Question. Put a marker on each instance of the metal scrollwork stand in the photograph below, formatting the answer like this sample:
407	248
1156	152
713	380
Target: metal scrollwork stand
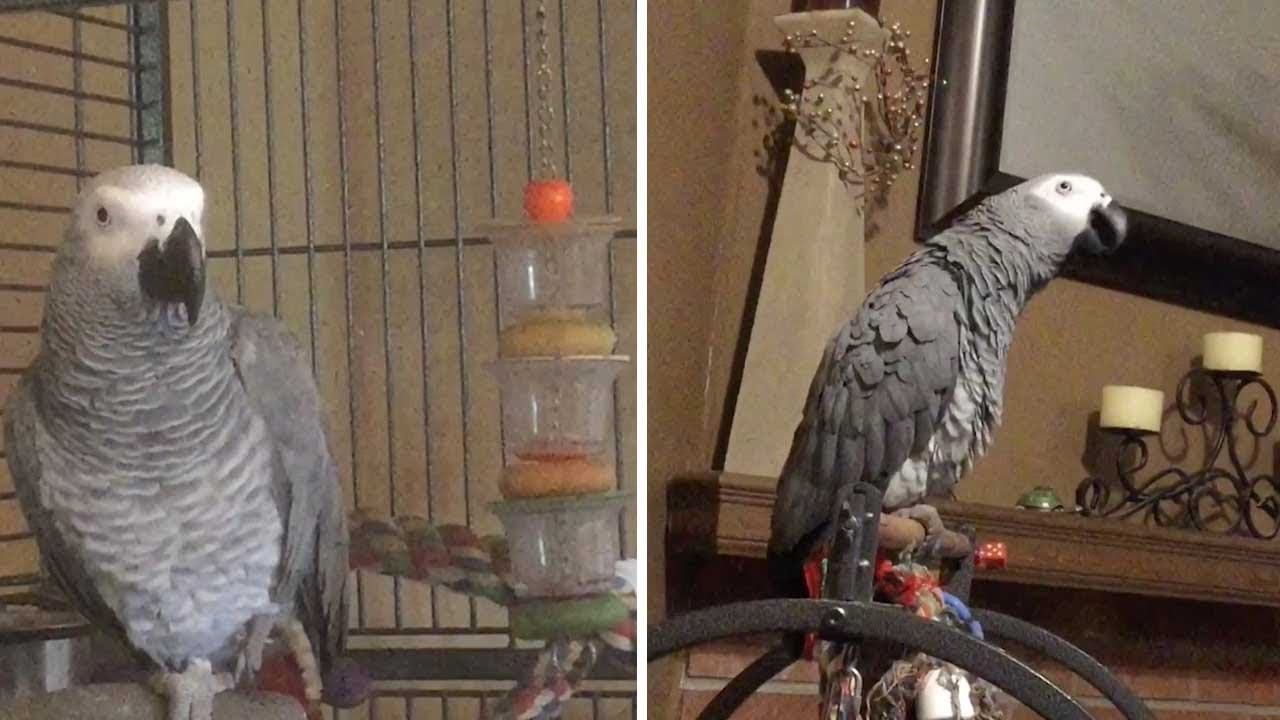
1221	499
847	615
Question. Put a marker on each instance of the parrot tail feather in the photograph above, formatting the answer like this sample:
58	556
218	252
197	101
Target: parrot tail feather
786	575
787	566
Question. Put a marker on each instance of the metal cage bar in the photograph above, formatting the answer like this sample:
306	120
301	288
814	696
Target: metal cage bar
459	263
73	53
420	241
233	102
59	6
92	20
77	73
150	47
78	133
485	698
20	84
384	250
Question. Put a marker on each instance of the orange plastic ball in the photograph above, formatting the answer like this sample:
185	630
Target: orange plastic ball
548	200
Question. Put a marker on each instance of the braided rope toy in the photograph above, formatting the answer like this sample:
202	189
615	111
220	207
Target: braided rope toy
454	557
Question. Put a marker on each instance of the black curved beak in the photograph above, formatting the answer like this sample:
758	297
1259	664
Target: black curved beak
175	274
1106	232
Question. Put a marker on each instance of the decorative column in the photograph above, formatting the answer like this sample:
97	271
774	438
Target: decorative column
814	272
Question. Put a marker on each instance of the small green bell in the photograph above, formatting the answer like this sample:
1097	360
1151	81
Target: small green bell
1041	498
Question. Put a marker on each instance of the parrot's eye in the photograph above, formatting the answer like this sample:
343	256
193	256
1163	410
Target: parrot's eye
160	220
103	216
1064	187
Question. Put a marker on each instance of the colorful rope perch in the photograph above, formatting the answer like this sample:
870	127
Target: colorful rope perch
452	556
446	555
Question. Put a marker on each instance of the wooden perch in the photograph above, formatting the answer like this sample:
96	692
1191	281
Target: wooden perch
138	702
899	533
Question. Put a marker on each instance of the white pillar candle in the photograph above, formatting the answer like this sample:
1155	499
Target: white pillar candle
1233	351
1132	408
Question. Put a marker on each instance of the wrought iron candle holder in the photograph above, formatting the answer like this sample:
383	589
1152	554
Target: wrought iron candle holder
1219	496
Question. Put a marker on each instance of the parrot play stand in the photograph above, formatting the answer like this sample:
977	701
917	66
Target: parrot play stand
848	616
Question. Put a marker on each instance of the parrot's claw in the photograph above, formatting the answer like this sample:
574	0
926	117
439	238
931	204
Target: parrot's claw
249	662
191	692
928	516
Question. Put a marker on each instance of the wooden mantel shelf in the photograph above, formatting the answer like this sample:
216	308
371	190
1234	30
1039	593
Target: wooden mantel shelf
728	515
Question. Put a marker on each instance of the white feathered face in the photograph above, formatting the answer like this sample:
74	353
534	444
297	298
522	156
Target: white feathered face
1078	209
145	220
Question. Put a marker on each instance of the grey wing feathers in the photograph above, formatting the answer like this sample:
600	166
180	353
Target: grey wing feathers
877	395
22	428
277	376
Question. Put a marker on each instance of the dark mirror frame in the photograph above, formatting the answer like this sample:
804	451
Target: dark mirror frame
1162	259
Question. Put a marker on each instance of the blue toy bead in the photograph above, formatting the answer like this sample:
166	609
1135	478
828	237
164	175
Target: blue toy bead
957	607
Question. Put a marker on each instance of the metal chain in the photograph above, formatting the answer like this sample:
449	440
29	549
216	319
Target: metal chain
545	112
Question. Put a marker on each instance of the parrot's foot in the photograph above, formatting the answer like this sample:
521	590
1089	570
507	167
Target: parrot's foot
299	643
934	529
250	659
191	691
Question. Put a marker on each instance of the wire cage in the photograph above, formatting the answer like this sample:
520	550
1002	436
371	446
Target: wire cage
349	151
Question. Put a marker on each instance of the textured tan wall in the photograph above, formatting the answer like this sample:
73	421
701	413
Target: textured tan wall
696	55
697	52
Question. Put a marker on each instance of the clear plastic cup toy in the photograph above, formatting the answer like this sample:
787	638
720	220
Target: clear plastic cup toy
563	547
553	409
553	286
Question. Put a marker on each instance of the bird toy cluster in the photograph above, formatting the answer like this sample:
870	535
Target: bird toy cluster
924	688
558	574
935	690
932	688
577	630
833	110
916	588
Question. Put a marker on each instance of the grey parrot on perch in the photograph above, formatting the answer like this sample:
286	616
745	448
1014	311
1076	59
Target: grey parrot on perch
909	392
170	455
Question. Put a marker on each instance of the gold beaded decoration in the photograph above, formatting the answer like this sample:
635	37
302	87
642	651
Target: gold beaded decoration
827	112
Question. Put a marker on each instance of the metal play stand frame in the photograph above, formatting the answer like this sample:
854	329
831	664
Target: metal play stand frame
851	616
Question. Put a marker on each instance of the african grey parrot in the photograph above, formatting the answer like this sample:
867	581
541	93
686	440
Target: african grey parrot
170	455
909	392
